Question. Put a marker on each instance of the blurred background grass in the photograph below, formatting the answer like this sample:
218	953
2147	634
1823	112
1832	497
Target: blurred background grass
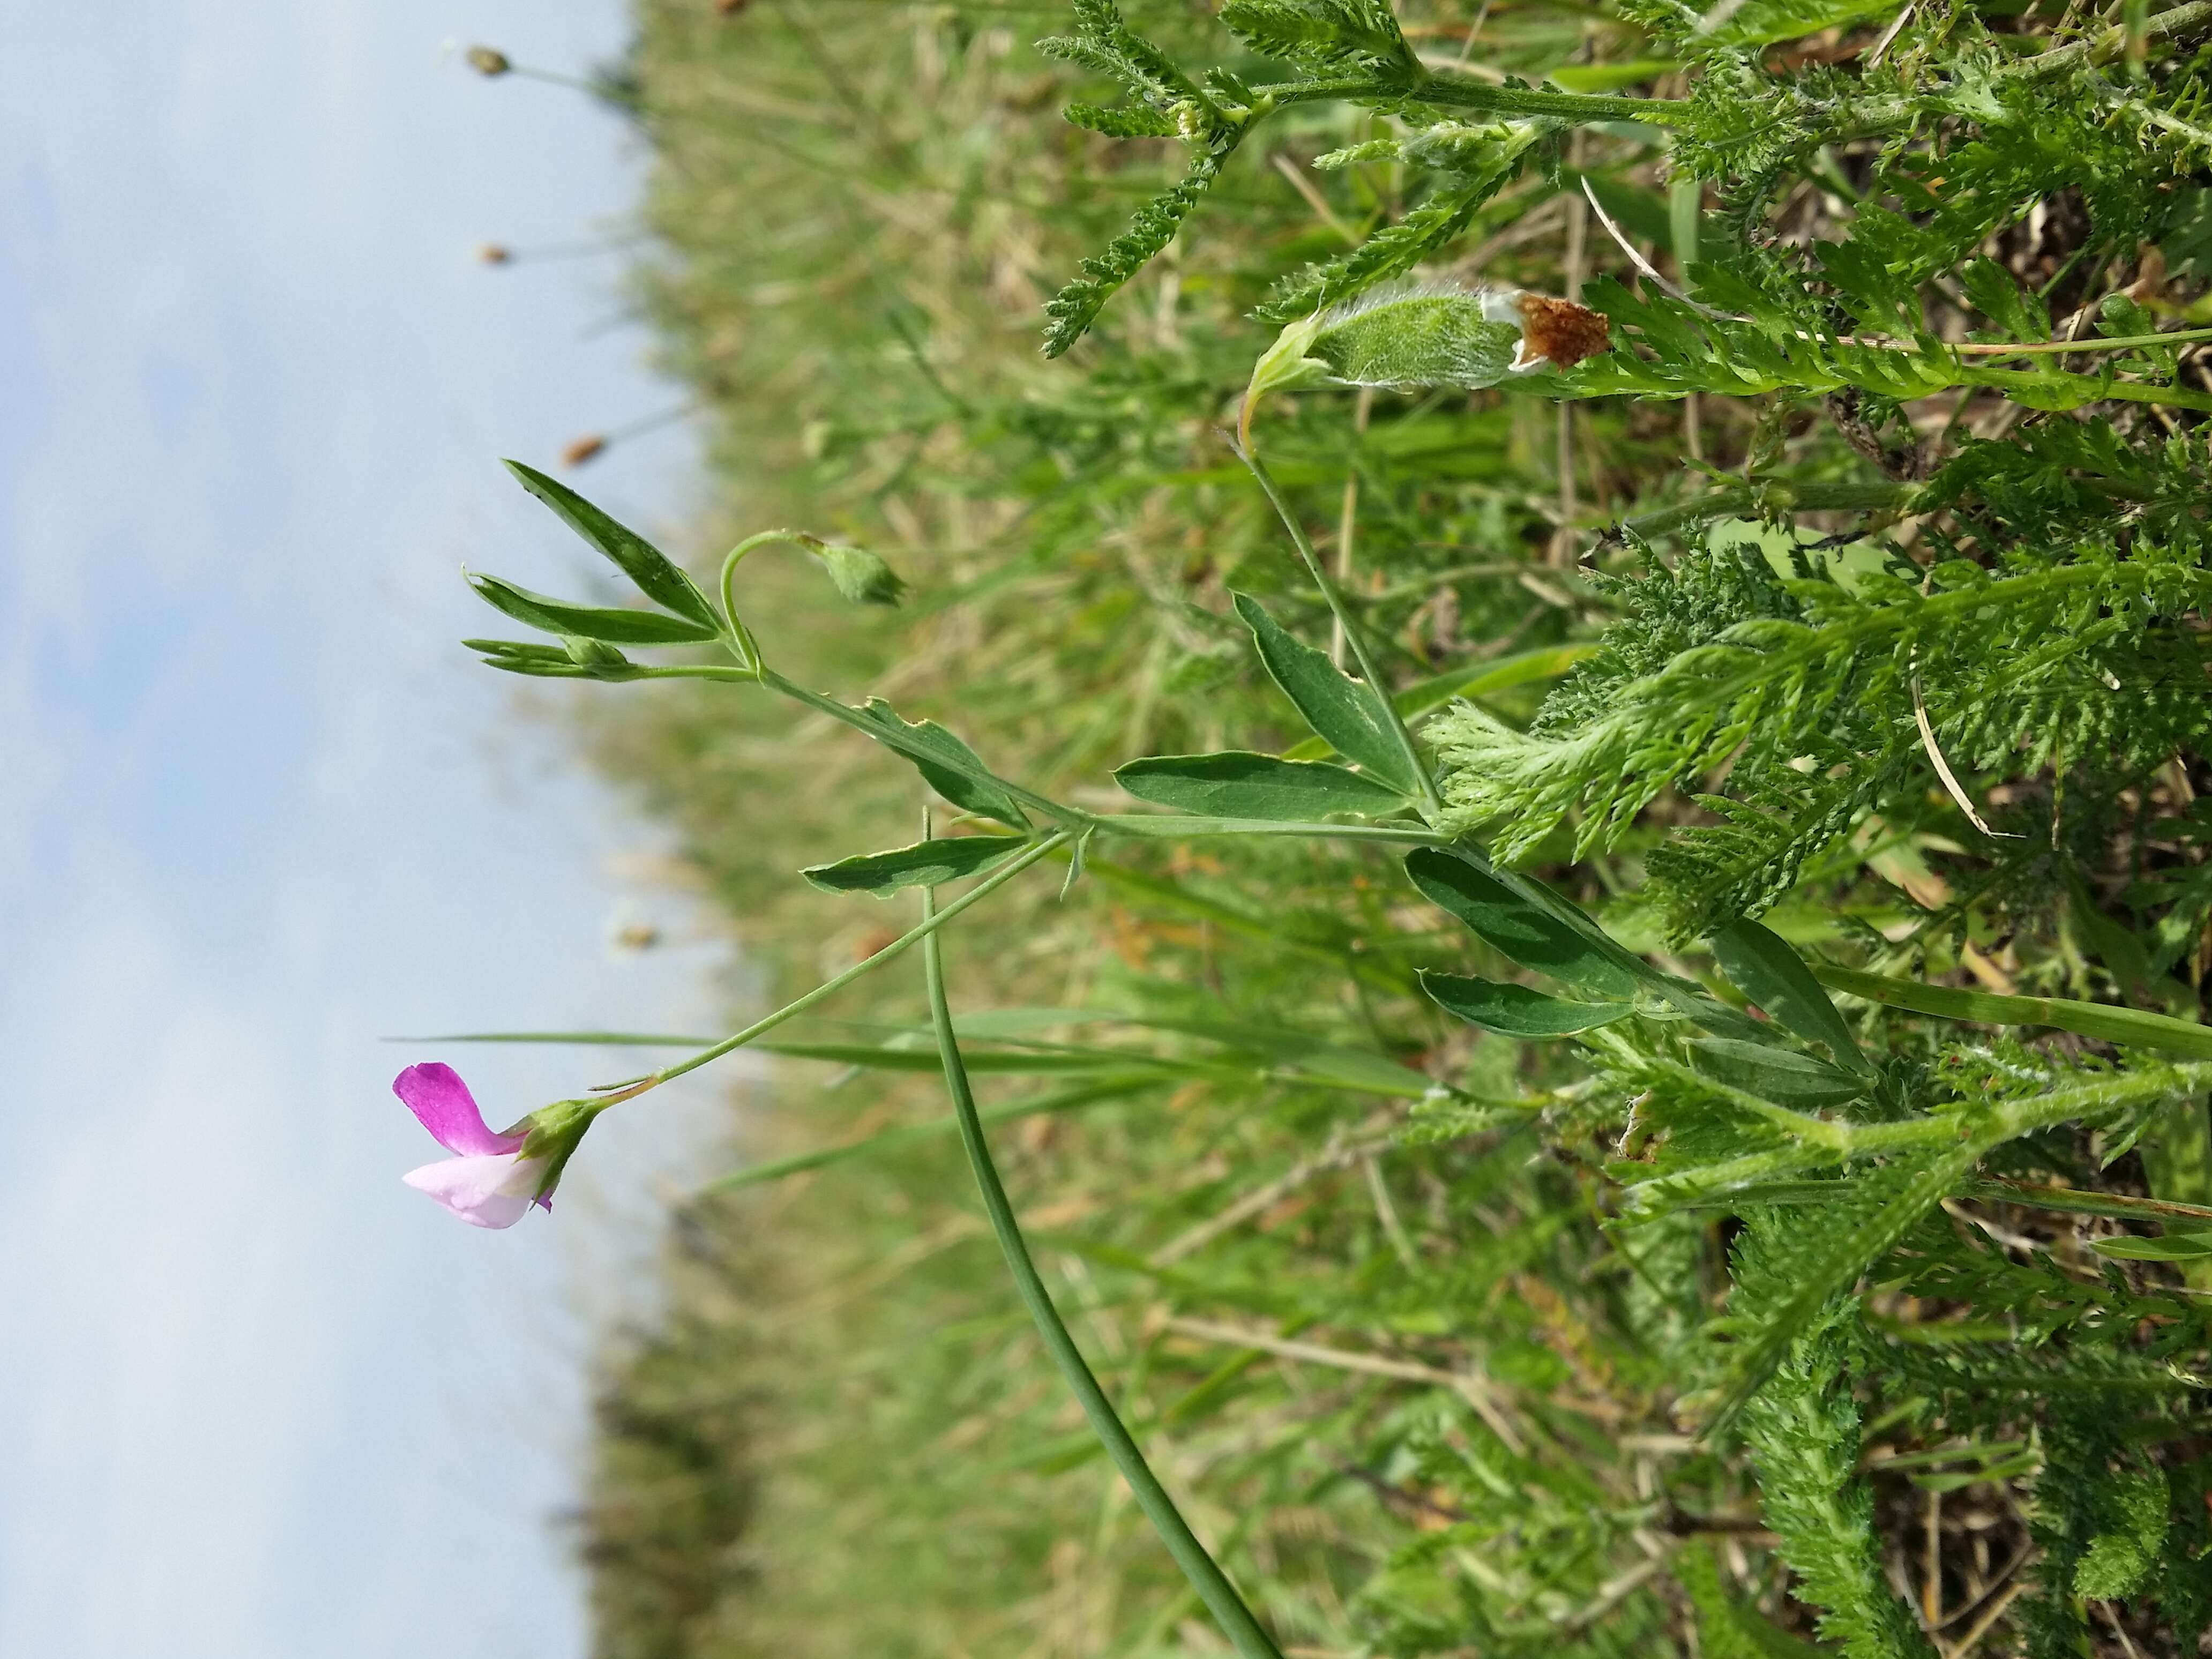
845	1439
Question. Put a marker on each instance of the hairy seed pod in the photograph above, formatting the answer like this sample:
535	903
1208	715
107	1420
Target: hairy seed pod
1430	335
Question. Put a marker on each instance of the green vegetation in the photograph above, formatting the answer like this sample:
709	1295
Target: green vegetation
1446	1150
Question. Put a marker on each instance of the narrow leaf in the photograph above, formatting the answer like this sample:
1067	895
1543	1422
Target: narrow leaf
1763	966
1348	713
1472	680
1515	1010
2128	1026
658	576
924	864
2175	1247
1239	784
1782	1075
953	769
1508	913
616	626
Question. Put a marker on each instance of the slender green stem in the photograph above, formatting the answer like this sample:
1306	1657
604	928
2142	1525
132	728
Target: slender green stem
740	638
897	947
1074	815
1780	494
1432	802
1205	1576
2069	348
1146	826
2130	1027
1451	91
1065	1100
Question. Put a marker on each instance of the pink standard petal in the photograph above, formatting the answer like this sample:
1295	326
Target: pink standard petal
493	1190
442	1103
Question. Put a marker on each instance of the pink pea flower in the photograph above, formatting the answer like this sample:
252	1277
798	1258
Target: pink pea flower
486	1182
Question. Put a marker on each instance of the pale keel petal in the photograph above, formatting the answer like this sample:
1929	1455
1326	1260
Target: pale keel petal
490	1190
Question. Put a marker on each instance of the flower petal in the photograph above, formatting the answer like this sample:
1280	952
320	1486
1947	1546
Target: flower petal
494	1190
441	1102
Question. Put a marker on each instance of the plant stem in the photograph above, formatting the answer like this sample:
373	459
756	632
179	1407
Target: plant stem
1451	91
898	946
1206	1576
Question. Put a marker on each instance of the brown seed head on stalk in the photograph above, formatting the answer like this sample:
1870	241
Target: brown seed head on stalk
583	449
1561	330
496	253
486	60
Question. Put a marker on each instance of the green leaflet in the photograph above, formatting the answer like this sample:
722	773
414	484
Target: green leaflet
1473	680
953	769
657	576
1349	713
1776	1074
924	864
1507	916
2174	1247
589	622
1763	966
2128	1026
1239	784
1515	1010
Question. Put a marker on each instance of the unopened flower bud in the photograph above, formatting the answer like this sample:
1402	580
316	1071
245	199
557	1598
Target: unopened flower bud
861	577
486	61
598	658
583	449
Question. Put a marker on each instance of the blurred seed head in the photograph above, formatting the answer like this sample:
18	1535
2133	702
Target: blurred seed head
496	253
486	61
583	449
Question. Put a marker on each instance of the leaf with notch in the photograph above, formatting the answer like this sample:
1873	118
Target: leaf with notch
1761	964
616	626
658	576
1515	1010
1527	923
1349	713
1239	784
924	864
953	769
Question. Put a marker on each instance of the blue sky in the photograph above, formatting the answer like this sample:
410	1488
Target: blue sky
259	811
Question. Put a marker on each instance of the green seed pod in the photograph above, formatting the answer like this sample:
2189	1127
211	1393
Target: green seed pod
1429	335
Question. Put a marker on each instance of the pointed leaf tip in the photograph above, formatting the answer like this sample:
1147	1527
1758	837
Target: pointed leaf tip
655	575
